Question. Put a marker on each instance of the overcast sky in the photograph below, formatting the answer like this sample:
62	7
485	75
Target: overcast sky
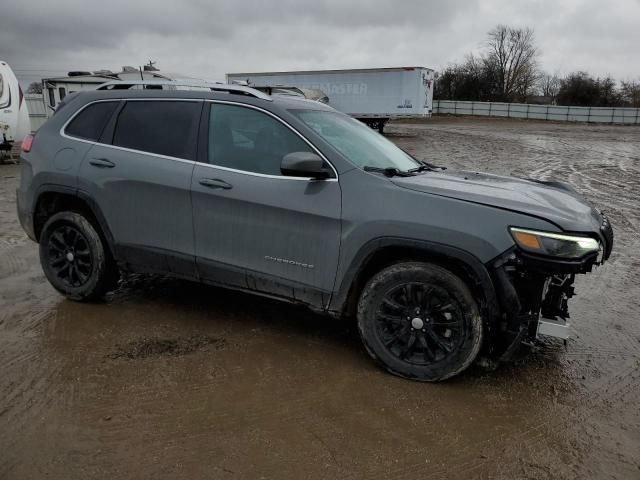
207	38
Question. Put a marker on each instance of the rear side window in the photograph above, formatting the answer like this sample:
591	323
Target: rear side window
90	122
161	127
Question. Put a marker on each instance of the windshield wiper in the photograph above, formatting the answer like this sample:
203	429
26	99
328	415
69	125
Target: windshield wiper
389	171
426	167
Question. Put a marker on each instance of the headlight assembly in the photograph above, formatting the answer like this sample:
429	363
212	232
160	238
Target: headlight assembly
554	244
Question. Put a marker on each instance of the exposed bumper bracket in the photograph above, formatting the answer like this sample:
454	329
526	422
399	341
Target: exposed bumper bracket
558	328
515	344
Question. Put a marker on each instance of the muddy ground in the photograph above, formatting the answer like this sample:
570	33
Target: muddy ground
172	379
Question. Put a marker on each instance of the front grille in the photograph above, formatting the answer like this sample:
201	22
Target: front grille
607	233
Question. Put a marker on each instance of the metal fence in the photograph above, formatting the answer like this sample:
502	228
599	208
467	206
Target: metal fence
539	112
37	110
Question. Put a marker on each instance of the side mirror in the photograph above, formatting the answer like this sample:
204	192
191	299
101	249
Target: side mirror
303	164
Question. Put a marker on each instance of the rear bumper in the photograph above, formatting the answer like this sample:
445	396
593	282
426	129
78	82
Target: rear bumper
24	215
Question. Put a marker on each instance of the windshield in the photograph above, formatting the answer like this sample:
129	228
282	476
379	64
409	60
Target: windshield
357	142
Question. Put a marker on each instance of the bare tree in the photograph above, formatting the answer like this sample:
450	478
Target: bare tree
34	87
549	85
581	89
507	71
512	55
470	80
630	92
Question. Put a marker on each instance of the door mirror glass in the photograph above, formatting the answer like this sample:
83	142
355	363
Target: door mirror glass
303	164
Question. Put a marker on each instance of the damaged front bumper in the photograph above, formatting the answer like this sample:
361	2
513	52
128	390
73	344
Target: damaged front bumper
533	293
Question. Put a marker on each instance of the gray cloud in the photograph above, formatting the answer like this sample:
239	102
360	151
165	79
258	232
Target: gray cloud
208	38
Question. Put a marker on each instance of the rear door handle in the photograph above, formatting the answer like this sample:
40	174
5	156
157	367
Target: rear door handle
102	163
215	183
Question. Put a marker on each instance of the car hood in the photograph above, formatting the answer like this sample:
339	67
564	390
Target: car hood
556	202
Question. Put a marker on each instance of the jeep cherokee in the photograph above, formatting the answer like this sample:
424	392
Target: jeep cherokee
288	198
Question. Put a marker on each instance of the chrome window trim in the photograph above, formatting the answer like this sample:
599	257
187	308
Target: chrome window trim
264	175
125	149
194	162
63	129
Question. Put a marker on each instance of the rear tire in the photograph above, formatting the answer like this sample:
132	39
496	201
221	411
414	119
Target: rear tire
420	321
75	259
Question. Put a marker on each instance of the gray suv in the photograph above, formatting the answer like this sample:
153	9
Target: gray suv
288	198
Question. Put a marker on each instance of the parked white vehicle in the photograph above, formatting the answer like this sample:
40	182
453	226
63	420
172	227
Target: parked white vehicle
14	115
372	95
55	89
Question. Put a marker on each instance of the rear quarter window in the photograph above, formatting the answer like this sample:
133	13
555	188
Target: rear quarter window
162	127
90	122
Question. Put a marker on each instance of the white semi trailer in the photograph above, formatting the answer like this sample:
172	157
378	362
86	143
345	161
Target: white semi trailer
372	95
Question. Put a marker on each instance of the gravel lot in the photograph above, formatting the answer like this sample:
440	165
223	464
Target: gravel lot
173	379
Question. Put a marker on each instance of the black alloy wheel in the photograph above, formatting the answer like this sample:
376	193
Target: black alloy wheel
420	321
69	255
75	258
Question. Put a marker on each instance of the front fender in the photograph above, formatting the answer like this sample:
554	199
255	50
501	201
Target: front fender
438	252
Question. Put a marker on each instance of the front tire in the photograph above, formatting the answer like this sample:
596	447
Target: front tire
420	321
75	259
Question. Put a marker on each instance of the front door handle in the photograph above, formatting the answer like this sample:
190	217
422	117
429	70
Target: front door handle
215	183
102	163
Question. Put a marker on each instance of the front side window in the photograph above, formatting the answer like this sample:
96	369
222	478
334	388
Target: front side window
90	122
161	127
357	142
247	139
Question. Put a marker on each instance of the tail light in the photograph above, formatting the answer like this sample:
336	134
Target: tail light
27	143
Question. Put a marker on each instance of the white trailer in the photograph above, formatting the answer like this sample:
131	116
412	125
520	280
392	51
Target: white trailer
373	95
14	116
55	89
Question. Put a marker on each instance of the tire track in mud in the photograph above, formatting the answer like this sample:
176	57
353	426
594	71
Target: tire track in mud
26	307
472	463
11	241
11	264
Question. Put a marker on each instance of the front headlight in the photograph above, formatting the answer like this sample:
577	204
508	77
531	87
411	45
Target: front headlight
554	244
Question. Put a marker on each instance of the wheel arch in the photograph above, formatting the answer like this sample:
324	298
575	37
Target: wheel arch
52	199
383	252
